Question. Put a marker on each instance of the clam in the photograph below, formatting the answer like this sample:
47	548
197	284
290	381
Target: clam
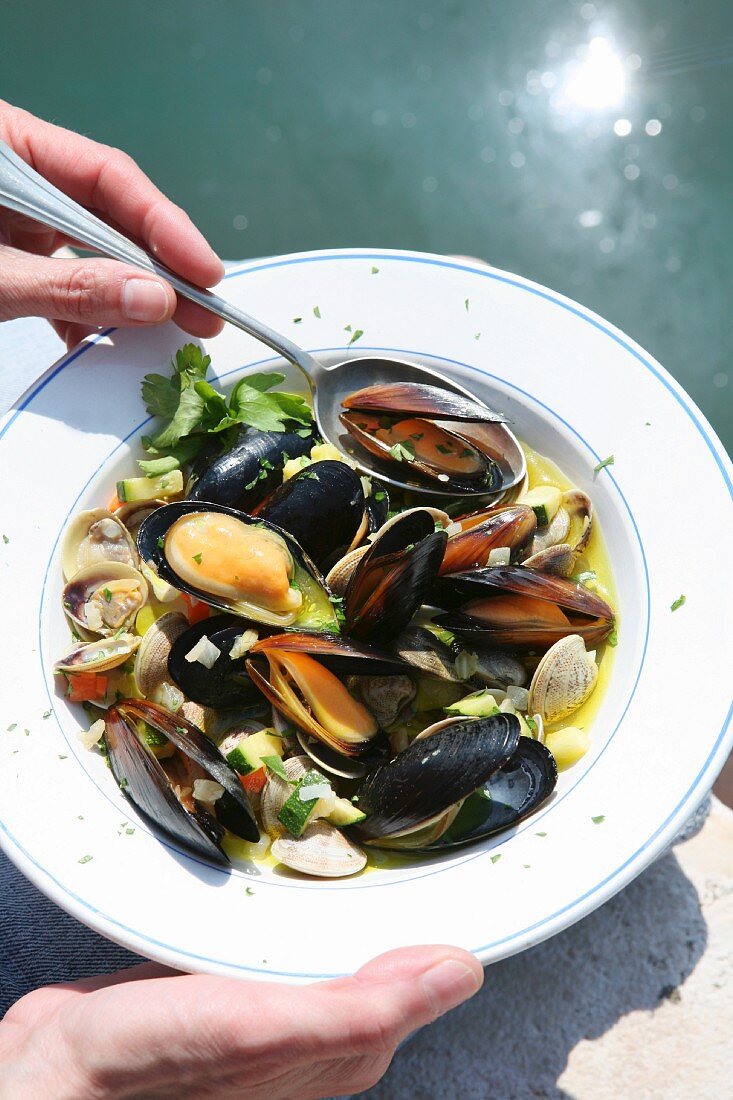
239	564
447	763
98	656
246	473
166	786
133	512
557	547
563	680
323	507
384	696
300	680
151	662
93	537
277	791
340	574
393	577
469	548
515	607
321	851
218	678
105	597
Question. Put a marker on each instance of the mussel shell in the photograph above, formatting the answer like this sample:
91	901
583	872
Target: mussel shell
433	773
422	400
515	791
145	783
151	546
226	683
393	578
426	653
377	506
323	507
342	656
512	527
335	763
244	475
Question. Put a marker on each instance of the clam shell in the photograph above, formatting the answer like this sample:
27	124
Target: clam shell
341	573
276	792
95	536
80	590
322	851
563	679
98	656
151	662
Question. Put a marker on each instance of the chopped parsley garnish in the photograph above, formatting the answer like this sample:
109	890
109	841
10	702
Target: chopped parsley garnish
583	578
12	726
477	335
599	819
6	540
123	783
531	723
310	474
678	603
357	335
160	542
602	465
467	304
297	320
165	483
275	765
612	639
249	892
417	436
647	423
380	495
540	834
316	311
86	859
107	595
130	831
444	448
403	452
347	328
466	453
496	858
375	271
197	558
63	757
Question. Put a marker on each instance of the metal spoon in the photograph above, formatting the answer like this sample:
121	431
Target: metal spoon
25	191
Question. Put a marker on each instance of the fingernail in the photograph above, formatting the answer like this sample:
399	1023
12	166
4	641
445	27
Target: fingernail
449	984
144	300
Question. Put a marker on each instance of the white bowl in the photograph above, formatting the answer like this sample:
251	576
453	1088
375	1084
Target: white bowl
578	390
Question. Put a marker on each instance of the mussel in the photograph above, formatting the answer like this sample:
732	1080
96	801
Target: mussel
323	507
393	577
300	678
511	606
249	470
218	676
176	777
469	547
440	768
420	399
239	564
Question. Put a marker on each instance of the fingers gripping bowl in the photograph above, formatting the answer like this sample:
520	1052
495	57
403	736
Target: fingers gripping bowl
405	689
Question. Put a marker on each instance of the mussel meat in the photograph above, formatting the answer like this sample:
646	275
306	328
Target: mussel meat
510	527
239	564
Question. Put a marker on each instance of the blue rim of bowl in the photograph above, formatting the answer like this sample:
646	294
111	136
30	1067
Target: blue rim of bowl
601	891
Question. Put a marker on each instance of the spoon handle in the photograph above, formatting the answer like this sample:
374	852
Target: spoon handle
26	192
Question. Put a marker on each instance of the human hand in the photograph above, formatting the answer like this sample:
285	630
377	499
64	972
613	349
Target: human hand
79	296
150	1033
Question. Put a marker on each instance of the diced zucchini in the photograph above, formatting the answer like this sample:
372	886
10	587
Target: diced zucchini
246	751
297	811
480	704
345	813
151	488
544	501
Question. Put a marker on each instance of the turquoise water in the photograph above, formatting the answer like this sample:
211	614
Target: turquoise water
458	126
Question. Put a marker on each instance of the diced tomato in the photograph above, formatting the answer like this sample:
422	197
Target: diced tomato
86	687
114	503
254	781
197	610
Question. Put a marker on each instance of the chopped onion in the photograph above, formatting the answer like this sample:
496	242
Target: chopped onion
168	696
207	790
258	850
466	665
309	791
453	529
243	644
91	737
519	696
500	555
366	486
110	528
93	617
205	652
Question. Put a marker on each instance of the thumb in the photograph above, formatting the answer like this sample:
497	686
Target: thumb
397	993
86	291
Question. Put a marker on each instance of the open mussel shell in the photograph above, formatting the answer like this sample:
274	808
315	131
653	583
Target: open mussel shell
393	577
418	399
512	793
226	683
150	783
105	597
433	773
276	548
323	507
425	449
377	506
511	527
93	537
508	606
426	653
244	475
301	678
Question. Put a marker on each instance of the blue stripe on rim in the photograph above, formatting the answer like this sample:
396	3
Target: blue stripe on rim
599	888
